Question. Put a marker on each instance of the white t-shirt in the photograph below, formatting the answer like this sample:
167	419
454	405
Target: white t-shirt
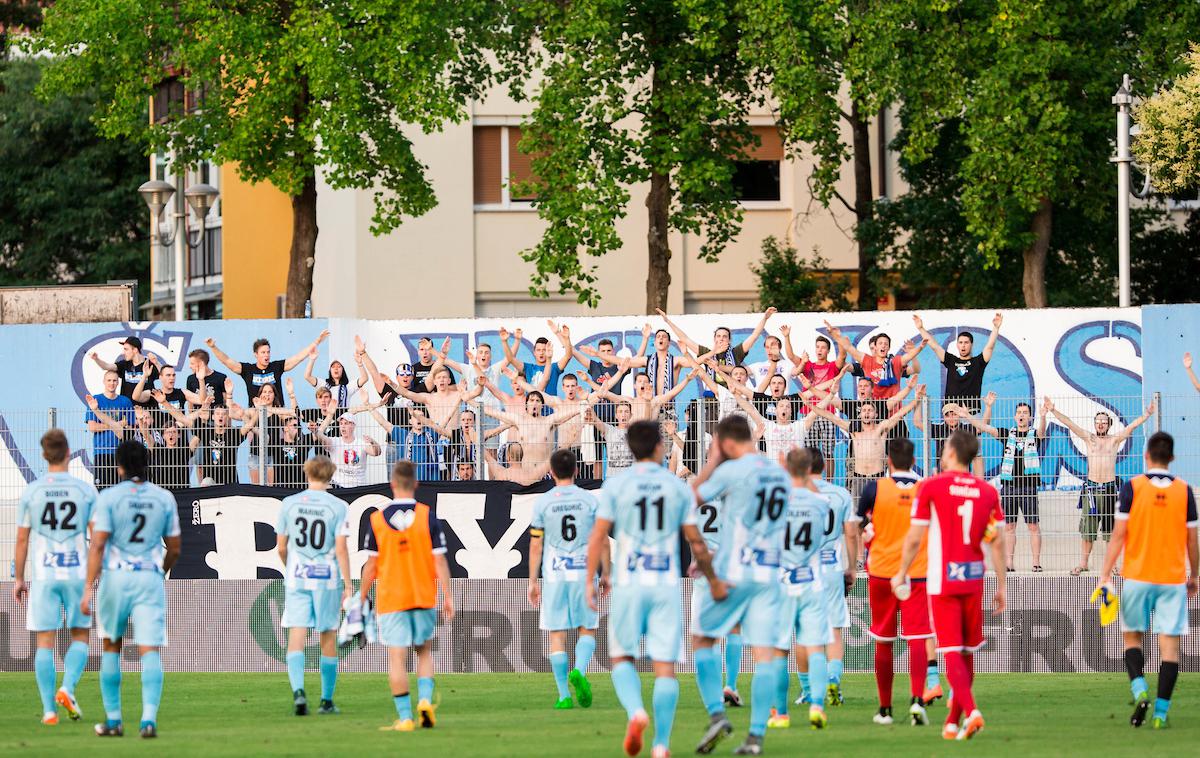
493	372
351	461
780	438
759	372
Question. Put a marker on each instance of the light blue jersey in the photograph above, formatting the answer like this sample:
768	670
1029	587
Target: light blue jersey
754	492
565	516
312	521
56	508
647	506
138	516
841	510
807	515
708	521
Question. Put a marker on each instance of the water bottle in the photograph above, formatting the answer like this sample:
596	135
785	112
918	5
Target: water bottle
308	309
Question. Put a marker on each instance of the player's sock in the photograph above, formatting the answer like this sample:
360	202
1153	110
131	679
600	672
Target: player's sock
110	685
918	661
836	666
295	667
425	688
884	673
733	660
708	680
783	680
762	690
558	664
666	698
46	675
152	685
959	674
804	679
628	686
328	676
956	712
403	705
818	674
585	647
1135	665
932	678
73	665
1168	672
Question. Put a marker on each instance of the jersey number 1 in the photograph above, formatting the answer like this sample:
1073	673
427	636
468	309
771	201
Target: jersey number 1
965	512
643	507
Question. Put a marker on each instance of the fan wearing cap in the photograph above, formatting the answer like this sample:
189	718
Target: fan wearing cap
953	419
131	368
349	452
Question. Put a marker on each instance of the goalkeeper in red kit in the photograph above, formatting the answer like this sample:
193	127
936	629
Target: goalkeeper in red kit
959	512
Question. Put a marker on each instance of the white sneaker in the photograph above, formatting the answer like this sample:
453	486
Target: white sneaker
917	714
880	718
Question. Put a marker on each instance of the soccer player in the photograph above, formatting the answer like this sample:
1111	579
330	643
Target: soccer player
135	542
885	509
52	517
313	532
407	556
754	492
803	606
562	522
1156	529
953	515
646	507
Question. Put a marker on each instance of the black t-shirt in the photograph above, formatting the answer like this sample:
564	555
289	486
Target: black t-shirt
256	377
964	379
420	371
289	458
169	467
216	387
176	399
1021	480
940	432
130	376
218	453
601	372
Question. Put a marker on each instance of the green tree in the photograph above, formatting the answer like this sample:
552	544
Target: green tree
284	87
1169	142
67	210
790	283
650	92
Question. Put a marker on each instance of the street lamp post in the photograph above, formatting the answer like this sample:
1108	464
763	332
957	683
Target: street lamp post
1123	99
201	197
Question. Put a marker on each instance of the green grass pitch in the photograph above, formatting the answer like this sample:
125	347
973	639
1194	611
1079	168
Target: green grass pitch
511	715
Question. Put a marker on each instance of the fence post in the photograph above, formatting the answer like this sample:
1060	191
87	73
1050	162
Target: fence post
1157	411
51	418
479	457
701	448
925	429
262	445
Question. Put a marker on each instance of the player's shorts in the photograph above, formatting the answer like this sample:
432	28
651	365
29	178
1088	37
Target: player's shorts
49	598
1168	602
957	622
652	612
1098	505
753	605
837	610
805	617
1018	502
564	606
319	609
407	628
138	596
886	607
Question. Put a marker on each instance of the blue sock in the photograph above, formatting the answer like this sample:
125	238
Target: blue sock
295	667
1160	708
762	691
628	686
708	680
328	676
782	681
152	684
818	675
558	664
584	648
403	706
110	685
666	698
425	688
73	665
835	671
733	660
47	675
931	675
1138	685
803	676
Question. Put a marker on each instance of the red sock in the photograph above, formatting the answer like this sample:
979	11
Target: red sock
918	662
958	671
969	658
884	672
955	714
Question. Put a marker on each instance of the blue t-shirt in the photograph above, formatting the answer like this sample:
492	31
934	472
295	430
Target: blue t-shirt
424	449
533	373
807	514
312	521
755	493
120	407
841	510
647	506
55	508
564	516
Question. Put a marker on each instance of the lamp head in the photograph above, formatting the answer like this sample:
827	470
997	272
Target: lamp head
201	197
157	195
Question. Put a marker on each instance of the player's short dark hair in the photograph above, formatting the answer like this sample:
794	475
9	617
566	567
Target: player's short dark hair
725	329
536	394
132	459
1160	448
260	342
773	337
734	427
562	463
799	461
881	336
818	459
404	476
1025	405
200	355
824	339
642	437
965	446
968	335
541	341
662	331
605	341
572	377
55	448
900	453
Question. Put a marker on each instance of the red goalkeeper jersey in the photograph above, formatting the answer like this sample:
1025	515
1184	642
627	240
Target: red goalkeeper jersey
962	511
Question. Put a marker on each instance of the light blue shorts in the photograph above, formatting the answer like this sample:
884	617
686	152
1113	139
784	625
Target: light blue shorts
650	612
564	606
805	617
754	605
319	609
48	598
1168	602
837	610
140	596
409	628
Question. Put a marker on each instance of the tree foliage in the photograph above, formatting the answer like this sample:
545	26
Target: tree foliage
790	283
1169	142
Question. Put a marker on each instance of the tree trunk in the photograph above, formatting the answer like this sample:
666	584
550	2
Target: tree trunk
304	249
864	196
658	278
1033	279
